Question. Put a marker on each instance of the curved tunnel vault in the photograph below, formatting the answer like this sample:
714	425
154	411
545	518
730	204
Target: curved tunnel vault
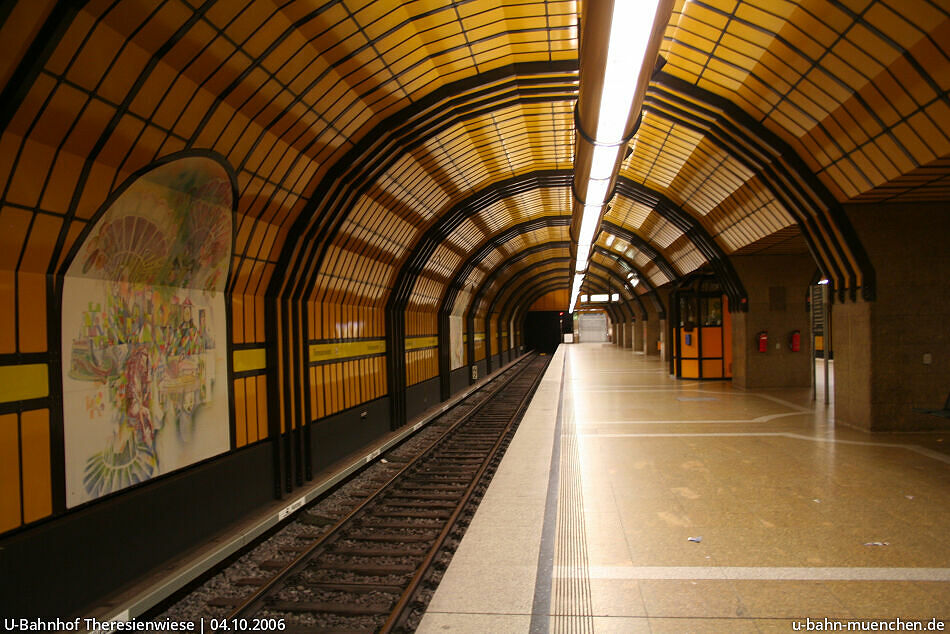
389	179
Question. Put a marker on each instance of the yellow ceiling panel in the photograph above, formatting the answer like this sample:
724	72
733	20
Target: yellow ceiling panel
818	27
714	19
797	66
859	57
696	30
738	53
755	98
684	256
933	135
688	56
935	61
730	74
747	38
768	18
628	213
794	118
893	25
285	117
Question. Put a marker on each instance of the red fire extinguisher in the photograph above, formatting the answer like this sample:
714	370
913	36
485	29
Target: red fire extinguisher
795	341
762	338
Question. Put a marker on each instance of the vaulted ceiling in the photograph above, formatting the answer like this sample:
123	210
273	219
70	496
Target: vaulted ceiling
378	145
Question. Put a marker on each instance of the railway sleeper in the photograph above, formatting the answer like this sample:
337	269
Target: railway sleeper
342	609
368	551
354	588
251	581
435	497
456	458
422	503
290	549
408	486
441	515
390	537
458	483
273	564
461	471
225	602
376	570
316	520
410	525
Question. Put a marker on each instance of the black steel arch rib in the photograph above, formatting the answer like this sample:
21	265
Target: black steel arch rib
658	258
296	273
423	250
533	278
495	241
401	132
651	290
518	314
612	276
531	273
447	306
595	280
504	268
516	328
548	280
519	302
624	290
696	233
603	284
429	242
818	213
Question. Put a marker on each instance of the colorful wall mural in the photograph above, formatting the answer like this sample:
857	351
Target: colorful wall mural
145	332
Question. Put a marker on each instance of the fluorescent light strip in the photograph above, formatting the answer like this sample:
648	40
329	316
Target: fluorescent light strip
630	27
602	163
597	191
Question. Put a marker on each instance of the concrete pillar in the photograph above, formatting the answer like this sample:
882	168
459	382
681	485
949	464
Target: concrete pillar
892	355
628	334
777	286
853	354
639	333
653	334
664	344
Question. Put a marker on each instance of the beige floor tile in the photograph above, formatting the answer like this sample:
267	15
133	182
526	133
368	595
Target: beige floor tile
489	589
701	626
689	598
748	470
789	600
504	547
437	622
621	625
890	599
616	597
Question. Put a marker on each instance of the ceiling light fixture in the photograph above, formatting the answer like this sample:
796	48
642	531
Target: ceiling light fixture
632	36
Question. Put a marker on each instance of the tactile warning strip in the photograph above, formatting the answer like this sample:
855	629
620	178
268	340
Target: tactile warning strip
572	610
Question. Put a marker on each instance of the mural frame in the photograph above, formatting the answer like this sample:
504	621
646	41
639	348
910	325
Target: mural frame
56	284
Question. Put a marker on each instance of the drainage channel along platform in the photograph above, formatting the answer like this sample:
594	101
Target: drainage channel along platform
369	557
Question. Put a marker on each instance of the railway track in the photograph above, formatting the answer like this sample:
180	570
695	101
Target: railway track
375	566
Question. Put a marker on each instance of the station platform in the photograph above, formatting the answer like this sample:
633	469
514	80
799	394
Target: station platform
629	501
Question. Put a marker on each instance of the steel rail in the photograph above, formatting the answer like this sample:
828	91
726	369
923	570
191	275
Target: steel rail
401	610
256	600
